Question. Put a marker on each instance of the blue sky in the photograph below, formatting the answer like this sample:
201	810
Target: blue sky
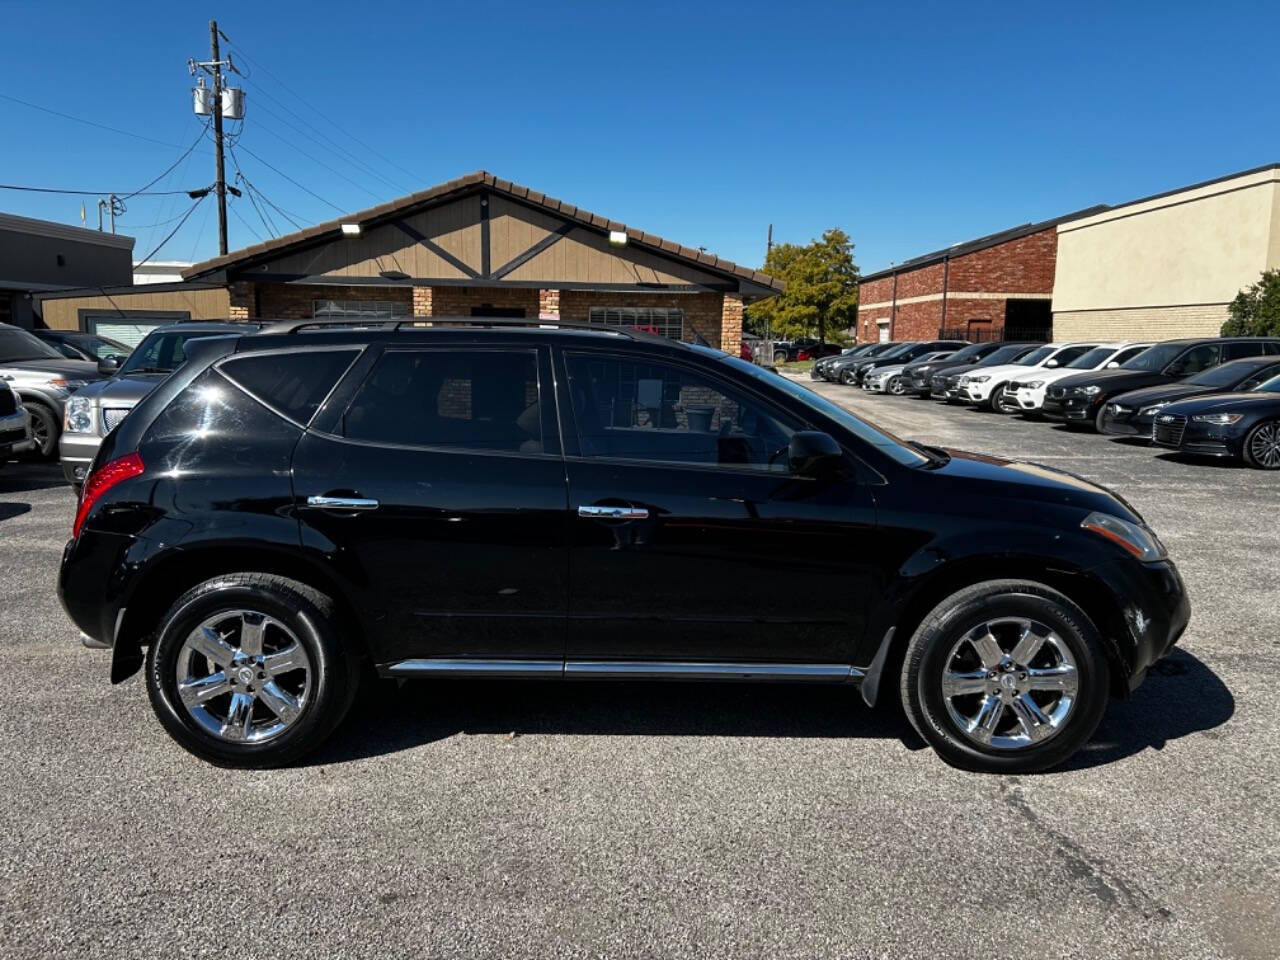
911	126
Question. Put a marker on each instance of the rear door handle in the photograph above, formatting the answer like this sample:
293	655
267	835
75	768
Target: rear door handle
342	503
613	513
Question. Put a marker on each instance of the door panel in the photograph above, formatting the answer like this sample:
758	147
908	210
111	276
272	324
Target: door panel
464	553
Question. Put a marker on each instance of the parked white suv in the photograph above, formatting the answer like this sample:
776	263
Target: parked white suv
1027	393
985	386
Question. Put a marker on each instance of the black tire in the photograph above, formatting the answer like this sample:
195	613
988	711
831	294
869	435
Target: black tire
1261	432
45	429
1097	420
895	387
848	378
308	614
994	400
779	356
1002	404
929	649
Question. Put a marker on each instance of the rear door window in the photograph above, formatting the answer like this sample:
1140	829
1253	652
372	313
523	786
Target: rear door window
453	399
1196	359
294	383
1244	348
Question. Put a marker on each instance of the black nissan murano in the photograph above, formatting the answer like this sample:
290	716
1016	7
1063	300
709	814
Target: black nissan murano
292	510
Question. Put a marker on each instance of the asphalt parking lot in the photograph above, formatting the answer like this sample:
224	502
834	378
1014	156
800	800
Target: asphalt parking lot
486	819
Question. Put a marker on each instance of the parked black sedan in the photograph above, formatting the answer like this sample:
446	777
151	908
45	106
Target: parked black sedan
1133	414
1238	424
918	373
822	366
943	385
1080	399
839	366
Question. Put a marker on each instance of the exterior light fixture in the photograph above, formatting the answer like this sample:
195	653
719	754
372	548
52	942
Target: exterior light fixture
351	229
618	237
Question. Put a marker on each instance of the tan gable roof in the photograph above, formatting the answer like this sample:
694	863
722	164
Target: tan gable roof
396	209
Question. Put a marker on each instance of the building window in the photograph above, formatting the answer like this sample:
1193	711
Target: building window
664	321
359	309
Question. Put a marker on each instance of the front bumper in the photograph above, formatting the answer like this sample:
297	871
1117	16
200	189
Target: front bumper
1026	398
76	451
1154	609
1202	439
1126	423
1071	409
975	392
15	433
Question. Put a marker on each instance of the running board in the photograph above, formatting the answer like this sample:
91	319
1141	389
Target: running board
626	670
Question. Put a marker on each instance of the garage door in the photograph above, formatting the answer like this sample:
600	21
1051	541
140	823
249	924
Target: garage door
128	330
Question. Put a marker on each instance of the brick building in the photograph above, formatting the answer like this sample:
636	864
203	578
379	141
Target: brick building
996	287
474	246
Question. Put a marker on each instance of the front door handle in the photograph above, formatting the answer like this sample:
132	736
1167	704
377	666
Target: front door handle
342	503
613	513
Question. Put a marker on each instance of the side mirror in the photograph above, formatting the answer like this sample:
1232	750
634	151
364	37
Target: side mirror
1051	363
108	365
813	454
1113	365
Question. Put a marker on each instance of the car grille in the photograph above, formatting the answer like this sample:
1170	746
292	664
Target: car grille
1012	386
113	415
1169	428
1056	392
8	403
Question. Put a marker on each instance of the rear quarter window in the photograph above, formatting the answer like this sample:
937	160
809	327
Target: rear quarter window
294	384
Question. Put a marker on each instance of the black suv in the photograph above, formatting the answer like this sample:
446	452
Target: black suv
487	498
1081	399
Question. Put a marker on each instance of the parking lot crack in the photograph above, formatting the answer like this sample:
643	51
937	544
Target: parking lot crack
1102	880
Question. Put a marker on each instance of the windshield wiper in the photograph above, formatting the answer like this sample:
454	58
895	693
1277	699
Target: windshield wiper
149	370
935	454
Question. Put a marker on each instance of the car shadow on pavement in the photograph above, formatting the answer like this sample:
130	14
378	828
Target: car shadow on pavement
10	510
1180	696
399	716
20	476
1221	463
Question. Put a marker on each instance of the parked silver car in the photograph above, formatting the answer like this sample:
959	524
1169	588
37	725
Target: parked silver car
15	424
43	379
94	411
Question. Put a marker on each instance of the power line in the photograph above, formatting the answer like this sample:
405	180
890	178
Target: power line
92	193
254	189
247	226
150	226
231	43
91	123
186	153
291	180
324	141
316	160
190	210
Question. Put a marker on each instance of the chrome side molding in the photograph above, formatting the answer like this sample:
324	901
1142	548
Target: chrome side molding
624	670
613	513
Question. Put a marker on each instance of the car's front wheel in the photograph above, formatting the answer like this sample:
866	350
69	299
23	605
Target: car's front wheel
848	377
44	430
999	402
1006	676
897	387
250	670
1262	446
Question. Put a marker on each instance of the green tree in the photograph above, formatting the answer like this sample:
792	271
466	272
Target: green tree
1255	312
821	297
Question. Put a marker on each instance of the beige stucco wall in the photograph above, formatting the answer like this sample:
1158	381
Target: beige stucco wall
1166	267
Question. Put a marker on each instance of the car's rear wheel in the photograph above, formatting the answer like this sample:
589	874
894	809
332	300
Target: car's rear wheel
1099	420
44	430
848	377
1006	676
779	356
250	670
998	402
1262	446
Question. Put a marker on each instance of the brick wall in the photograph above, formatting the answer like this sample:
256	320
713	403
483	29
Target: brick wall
289	301
731	324
704	312
422	301
459	301
1021	266
1147	323
548	303
241	301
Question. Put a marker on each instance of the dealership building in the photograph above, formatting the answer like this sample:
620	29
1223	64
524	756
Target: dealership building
1157	268
478	245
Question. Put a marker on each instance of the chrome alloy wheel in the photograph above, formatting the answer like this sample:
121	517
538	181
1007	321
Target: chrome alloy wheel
243	676
1264	446
1010	683
897	387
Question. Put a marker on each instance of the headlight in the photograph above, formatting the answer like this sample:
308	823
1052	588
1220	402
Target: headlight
1139	541
1034	385
79	415
1223	419
1146	410
982	379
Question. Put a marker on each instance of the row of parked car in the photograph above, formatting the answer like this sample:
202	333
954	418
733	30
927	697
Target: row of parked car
1216	396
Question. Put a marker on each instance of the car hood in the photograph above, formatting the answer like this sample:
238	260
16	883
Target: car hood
121	391
890	368
1115	381
1047	375
1025	480
1162	393
66	369
1014	370
1243	402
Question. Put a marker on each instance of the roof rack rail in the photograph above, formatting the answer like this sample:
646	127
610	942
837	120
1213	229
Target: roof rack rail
296	326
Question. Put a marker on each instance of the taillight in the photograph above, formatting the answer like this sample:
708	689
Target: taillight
102	480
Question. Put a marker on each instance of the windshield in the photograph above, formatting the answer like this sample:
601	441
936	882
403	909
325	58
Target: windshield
18	345
1004	355
1269	386
897	351
1154	358
972	350
885	442
104	347
1035	356
1094	358
162	351
1226	375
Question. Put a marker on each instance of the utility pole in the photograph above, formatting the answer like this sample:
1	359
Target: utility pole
220	184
